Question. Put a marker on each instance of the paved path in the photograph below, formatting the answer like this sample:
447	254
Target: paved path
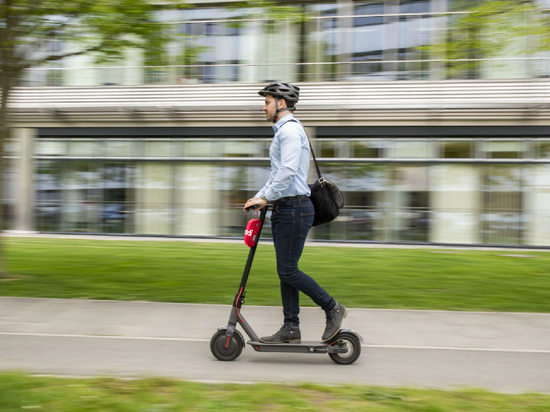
507	352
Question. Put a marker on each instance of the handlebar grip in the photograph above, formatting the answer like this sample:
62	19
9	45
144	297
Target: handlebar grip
255	207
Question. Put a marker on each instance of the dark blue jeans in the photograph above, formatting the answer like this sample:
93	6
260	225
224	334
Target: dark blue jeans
290	221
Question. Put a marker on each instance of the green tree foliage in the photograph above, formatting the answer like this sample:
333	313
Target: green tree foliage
104	28
488	29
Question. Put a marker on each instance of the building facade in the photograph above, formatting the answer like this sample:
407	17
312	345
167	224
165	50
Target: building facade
421	157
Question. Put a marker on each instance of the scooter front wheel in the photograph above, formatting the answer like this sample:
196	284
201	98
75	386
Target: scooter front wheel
225	350
351	343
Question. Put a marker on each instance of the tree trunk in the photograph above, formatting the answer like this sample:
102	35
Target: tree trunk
4	132
8	75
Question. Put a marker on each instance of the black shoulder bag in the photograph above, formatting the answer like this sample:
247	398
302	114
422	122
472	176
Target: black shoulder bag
325	196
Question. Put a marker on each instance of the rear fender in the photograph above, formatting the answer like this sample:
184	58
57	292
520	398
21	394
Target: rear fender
347	331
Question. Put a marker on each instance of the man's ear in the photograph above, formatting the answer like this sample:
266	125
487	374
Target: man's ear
282	104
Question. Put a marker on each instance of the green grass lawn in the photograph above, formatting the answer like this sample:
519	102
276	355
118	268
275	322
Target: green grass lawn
22	392
173	271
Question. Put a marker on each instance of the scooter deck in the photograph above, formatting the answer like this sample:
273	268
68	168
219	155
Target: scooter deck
303	347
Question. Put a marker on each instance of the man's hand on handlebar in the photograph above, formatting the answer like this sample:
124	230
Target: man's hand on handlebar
255	203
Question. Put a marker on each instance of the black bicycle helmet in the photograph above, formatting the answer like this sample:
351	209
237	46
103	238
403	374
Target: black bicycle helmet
287	91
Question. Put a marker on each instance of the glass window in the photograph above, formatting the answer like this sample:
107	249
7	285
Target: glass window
47	147
236	183
263	147
365	195
327	148
461	5
457	149
118	198
367	63
238	148
48	195
410	203
153	198
10	193
414	6
330	23
502	218
368	40
368	148
198	148
503	149
197	200
81	195
454	203
405	149
178	148
323	42
368	9
543	151
159	148
83	148
536	200
12	147
233	29
212	49
119	148
414	31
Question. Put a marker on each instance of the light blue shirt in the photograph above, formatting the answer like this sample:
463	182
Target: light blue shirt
289	156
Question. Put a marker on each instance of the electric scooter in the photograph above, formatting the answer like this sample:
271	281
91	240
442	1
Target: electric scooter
227	343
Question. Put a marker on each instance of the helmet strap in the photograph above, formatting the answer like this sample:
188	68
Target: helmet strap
276	117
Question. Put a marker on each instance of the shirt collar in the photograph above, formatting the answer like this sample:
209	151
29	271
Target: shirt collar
282	121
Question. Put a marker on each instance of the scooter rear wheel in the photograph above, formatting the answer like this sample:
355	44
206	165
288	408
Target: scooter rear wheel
224	350
351	342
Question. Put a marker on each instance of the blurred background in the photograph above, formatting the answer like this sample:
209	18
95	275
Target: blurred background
434	133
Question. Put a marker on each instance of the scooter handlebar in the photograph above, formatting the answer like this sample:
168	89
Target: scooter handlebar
255	207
